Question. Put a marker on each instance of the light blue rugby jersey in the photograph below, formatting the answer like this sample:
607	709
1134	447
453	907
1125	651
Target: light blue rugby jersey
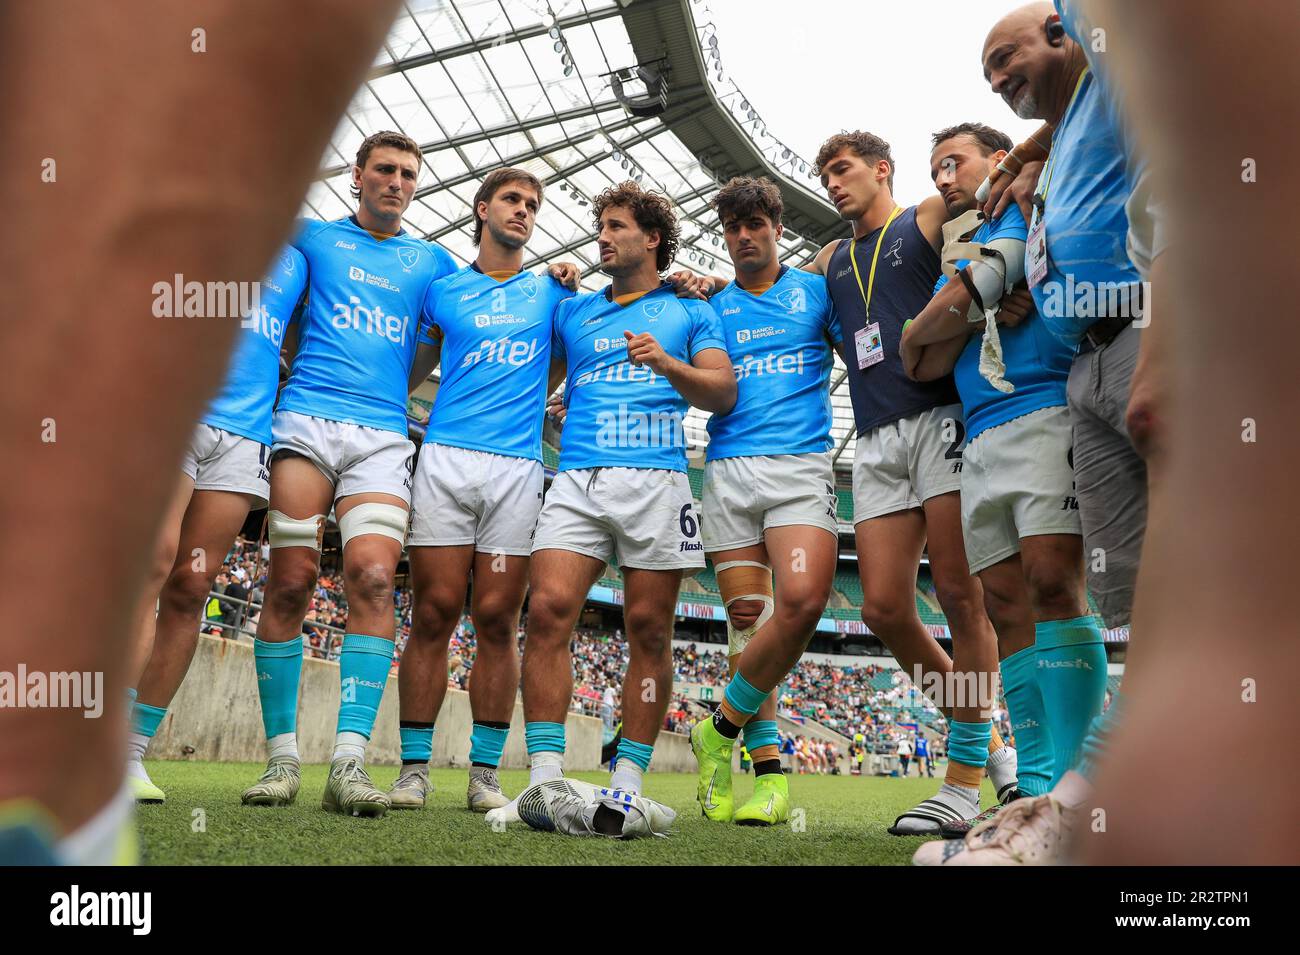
359	330
780	345
247	397
1088	269
621	415
1038	363
496	353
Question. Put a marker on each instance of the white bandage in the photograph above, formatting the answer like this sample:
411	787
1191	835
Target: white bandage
388	520
285	531
745	580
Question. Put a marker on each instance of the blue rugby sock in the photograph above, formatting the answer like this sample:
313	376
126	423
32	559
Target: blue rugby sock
760	733
1071	675
364	663
487	741
417	742
279	668
1035	759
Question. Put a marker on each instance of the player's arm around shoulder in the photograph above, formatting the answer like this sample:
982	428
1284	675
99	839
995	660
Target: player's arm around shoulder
931	214
821	263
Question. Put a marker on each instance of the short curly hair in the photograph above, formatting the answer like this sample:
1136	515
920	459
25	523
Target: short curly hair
866	146
743	196
389	138
652	211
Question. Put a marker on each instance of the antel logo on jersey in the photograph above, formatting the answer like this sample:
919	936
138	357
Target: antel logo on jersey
794	299
408	257
653	309
373	321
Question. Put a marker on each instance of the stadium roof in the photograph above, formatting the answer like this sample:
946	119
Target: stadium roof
583	94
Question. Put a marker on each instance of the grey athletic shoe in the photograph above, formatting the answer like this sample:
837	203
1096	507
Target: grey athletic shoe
350	791
484	792
278	786
409	790
569	807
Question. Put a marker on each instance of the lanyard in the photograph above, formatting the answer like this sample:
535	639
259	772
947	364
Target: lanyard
871	278
1040	200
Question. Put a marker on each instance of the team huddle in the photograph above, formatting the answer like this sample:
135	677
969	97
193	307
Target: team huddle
974	444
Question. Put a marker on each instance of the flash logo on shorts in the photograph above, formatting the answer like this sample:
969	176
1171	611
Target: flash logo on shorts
690	546
1071	503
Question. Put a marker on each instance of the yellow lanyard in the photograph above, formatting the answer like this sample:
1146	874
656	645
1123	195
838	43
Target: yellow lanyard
871	277
1041	198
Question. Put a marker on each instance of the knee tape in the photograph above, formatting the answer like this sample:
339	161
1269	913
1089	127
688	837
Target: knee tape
745	580
388	520
285	531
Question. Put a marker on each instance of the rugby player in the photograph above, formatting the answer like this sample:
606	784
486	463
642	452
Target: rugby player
1020	515
636	356
478	481
341	440
224	475
907	466
769	492
81	506
1088	293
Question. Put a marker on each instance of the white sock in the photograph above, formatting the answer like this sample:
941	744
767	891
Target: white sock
1072	790
544	766
965	792
97	841
285	744
626	776
350	745
136	744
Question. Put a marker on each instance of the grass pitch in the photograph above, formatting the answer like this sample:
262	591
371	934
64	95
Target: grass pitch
202	823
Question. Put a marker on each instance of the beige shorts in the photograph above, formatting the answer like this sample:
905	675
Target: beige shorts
1017	482
643	518
743	496
462	496
900	465
218	460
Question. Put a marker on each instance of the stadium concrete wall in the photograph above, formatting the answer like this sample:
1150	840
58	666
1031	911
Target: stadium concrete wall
216	716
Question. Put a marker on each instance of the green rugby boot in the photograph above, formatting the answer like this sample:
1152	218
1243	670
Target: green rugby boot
278	785
349	790
144	789
770	803
713	752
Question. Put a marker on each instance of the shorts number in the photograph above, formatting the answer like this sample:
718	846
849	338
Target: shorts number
954	449
687	521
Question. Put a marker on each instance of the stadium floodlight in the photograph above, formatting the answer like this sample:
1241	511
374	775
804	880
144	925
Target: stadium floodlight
641	89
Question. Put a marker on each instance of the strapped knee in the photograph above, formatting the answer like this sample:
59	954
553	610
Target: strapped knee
387	520
286	531
745	580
